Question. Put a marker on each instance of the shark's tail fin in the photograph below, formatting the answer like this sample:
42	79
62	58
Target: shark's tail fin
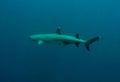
90	41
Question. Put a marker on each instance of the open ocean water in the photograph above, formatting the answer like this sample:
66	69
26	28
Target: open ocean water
22	60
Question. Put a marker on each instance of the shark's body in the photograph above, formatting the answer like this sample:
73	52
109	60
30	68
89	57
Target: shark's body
61	39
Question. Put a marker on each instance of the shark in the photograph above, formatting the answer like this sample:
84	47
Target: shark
62	39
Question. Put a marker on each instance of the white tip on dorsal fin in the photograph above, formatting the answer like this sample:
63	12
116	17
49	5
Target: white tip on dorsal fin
58	30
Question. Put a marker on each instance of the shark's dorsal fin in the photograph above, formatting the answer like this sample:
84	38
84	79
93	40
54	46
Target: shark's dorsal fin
58	30
77	35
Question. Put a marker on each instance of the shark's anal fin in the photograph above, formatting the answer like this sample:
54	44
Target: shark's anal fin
40	42
58	31
77	44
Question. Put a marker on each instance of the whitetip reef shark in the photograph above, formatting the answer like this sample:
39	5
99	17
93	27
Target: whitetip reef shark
62	39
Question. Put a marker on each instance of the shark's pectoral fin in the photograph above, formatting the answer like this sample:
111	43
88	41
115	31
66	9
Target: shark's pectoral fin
40	42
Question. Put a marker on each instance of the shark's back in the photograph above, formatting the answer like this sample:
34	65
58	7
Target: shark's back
54	37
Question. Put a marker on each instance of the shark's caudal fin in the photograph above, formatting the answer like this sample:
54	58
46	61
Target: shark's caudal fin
90	41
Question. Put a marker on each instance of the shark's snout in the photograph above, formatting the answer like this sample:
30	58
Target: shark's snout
29	37
32	38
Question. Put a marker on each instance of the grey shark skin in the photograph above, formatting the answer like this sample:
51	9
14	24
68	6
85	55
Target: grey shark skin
62	39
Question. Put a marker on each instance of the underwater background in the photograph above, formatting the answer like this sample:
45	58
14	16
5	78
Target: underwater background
22	60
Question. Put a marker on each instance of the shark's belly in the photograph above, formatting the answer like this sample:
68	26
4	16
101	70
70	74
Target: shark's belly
60	41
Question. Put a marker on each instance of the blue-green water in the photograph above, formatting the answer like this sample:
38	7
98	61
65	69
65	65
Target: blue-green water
22	60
